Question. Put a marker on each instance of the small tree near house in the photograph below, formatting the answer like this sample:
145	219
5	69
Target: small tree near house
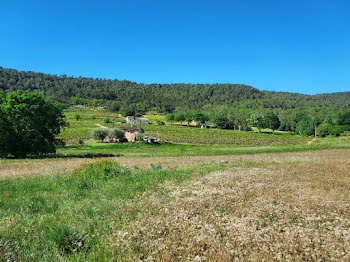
99	134
116	133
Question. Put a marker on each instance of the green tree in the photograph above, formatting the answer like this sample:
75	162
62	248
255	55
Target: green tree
29	124
344	117
200	117
99	133
180	117
189	117
222	121
170	118
127	111
324	129
271	121
305	127
116	133
256	120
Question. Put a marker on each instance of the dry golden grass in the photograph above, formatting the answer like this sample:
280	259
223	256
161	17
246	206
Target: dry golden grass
286	207
19	168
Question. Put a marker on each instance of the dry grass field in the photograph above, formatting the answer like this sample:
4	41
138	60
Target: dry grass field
292	206
276	207
35	167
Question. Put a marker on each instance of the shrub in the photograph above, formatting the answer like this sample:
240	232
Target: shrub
305	127
139	136
77	117
336	130
99	133
116	133
160	123
88	175
107	120
323	129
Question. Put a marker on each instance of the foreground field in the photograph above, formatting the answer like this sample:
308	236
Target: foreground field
285	211
69	157
289	206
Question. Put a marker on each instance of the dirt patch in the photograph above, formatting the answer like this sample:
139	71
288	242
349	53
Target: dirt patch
101	126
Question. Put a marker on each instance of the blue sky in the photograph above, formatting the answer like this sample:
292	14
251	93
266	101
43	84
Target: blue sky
281	45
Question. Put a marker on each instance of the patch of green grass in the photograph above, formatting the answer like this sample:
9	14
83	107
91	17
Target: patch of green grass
72	217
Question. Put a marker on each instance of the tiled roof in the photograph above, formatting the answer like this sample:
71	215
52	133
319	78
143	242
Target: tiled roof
131	129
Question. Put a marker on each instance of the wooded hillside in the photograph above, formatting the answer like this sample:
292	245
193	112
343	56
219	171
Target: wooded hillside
160	97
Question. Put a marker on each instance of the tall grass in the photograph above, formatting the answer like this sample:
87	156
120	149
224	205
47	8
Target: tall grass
72	217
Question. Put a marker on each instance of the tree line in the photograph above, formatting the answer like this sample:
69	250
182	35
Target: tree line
305	121
136	98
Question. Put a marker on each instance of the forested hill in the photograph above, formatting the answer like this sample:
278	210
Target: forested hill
164	97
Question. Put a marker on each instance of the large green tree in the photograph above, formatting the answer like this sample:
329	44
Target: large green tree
256	120
272	121
29	124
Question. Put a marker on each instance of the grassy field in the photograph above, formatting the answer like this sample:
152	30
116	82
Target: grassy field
214	195
288	207
88	118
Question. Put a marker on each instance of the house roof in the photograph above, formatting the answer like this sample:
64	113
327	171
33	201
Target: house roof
131	129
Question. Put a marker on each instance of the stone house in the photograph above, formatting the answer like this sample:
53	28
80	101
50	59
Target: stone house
134	120
131	132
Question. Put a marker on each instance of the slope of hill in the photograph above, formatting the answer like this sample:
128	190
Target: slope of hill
165	97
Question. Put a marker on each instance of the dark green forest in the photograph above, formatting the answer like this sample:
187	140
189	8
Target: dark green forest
164	98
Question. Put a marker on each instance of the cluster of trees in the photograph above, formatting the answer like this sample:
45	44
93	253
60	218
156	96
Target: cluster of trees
303	121
28	124
188	116
136	98
227	121
115	134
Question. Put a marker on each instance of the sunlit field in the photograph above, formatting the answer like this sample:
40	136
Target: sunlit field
197	195
286	206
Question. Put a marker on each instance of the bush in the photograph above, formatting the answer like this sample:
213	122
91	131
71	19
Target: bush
89	174
337	130
116	133
99	133
160	123
107	120
323	129
140	136
77	117
305	127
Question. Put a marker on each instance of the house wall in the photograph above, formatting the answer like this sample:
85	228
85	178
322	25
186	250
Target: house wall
131	137
137	121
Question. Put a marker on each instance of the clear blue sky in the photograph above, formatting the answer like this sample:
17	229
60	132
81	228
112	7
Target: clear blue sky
283	45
